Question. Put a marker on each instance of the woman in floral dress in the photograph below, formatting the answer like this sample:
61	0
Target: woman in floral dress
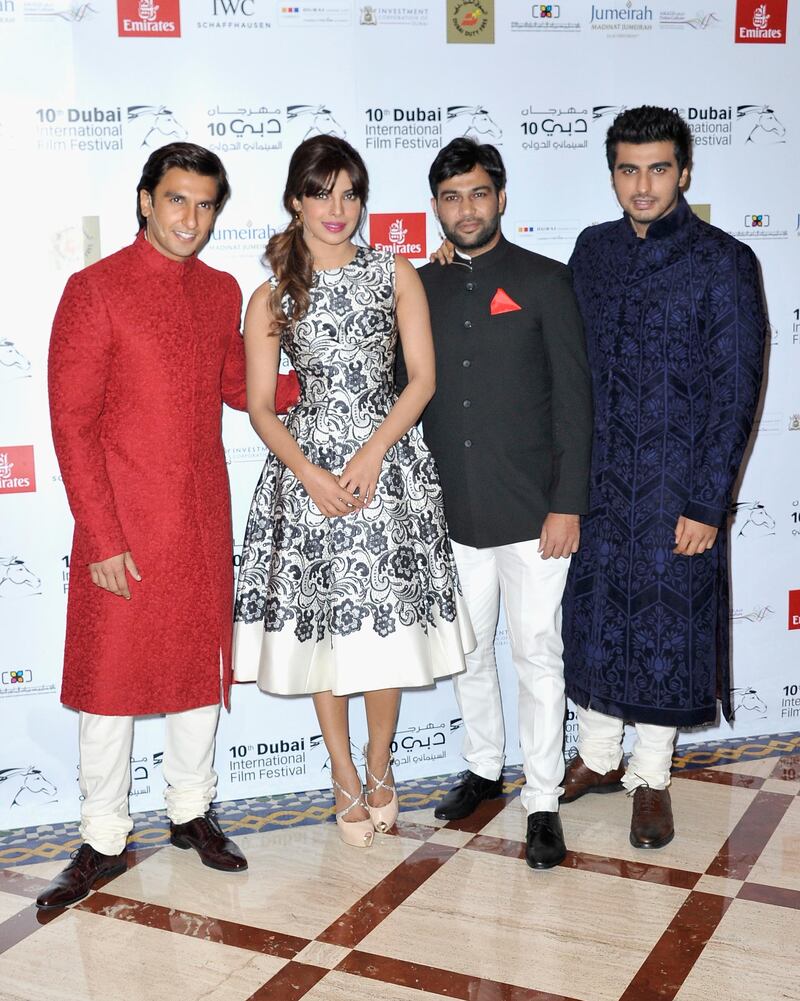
347	581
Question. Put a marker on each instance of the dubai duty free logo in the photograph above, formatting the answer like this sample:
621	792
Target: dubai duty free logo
470	21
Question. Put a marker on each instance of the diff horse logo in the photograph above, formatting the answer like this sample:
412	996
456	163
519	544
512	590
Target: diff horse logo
479	124
25	787
765	128
758	523
747	701
159	122
318	118
17	579
13	363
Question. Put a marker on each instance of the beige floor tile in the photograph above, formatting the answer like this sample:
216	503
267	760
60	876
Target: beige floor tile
422	817
718	884
298	881
322	954
762	767
779	863
11	904
343	987
456	839
788	788
85	957
492	917
705	814
752	956
44	870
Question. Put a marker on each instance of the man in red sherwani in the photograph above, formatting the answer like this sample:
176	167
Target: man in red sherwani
145	348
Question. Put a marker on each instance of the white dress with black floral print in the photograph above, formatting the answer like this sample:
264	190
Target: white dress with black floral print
370	600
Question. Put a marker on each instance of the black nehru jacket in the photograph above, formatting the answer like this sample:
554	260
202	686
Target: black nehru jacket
510	425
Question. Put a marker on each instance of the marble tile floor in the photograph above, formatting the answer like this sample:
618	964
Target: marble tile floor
438	910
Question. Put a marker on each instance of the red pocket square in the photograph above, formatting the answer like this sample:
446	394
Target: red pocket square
502	303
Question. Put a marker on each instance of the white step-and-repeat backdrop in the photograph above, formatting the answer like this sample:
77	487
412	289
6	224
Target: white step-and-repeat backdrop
87	90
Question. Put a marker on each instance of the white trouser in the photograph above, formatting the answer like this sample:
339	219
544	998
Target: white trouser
105	772
600	747
531	589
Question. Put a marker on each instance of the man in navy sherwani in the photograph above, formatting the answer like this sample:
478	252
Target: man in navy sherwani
675	330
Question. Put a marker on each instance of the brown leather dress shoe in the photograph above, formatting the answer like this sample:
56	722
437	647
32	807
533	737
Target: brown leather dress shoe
580	779
651	824
74	882
205	835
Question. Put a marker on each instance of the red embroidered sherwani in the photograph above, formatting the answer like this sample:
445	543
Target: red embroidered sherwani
144	351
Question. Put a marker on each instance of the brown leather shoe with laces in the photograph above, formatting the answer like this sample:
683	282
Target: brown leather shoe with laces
74	882
205	835
580	779
651	824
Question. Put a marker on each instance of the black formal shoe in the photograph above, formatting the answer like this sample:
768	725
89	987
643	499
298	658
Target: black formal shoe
465	795
205	835
74	882
545	840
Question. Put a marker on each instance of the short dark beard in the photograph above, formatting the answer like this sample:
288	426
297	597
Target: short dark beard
478	240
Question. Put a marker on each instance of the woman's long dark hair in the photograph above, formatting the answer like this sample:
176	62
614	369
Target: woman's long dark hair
313	169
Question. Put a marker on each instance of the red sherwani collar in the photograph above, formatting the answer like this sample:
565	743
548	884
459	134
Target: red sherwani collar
158	262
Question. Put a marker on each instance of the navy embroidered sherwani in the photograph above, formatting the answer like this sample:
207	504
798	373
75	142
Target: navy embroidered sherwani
675	330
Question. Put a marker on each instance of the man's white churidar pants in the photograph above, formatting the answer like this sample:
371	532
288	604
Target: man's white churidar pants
531	589
105	772
600	747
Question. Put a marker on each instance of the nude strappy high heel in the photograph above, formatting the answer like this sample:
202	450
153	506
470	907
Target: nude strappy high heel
383	817
356	833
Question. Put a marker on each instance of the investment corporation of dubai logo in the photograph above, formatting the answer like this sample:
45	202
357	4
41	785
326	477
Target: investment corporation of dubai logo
761	23
470	21
401	233
17	471
147	19
385	15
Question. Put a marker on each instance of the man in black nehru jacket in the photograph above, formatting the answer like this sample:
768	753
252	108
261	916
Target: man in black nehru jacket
510	428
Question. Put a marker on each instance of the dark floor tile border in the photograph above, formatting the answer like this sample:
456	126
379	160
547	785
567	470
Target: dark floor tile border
30	920
787	768
437	981
209	929
479	818
379	902
736	779
23	924
671	960
643	872
291	982
761	893
21	884
749	837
